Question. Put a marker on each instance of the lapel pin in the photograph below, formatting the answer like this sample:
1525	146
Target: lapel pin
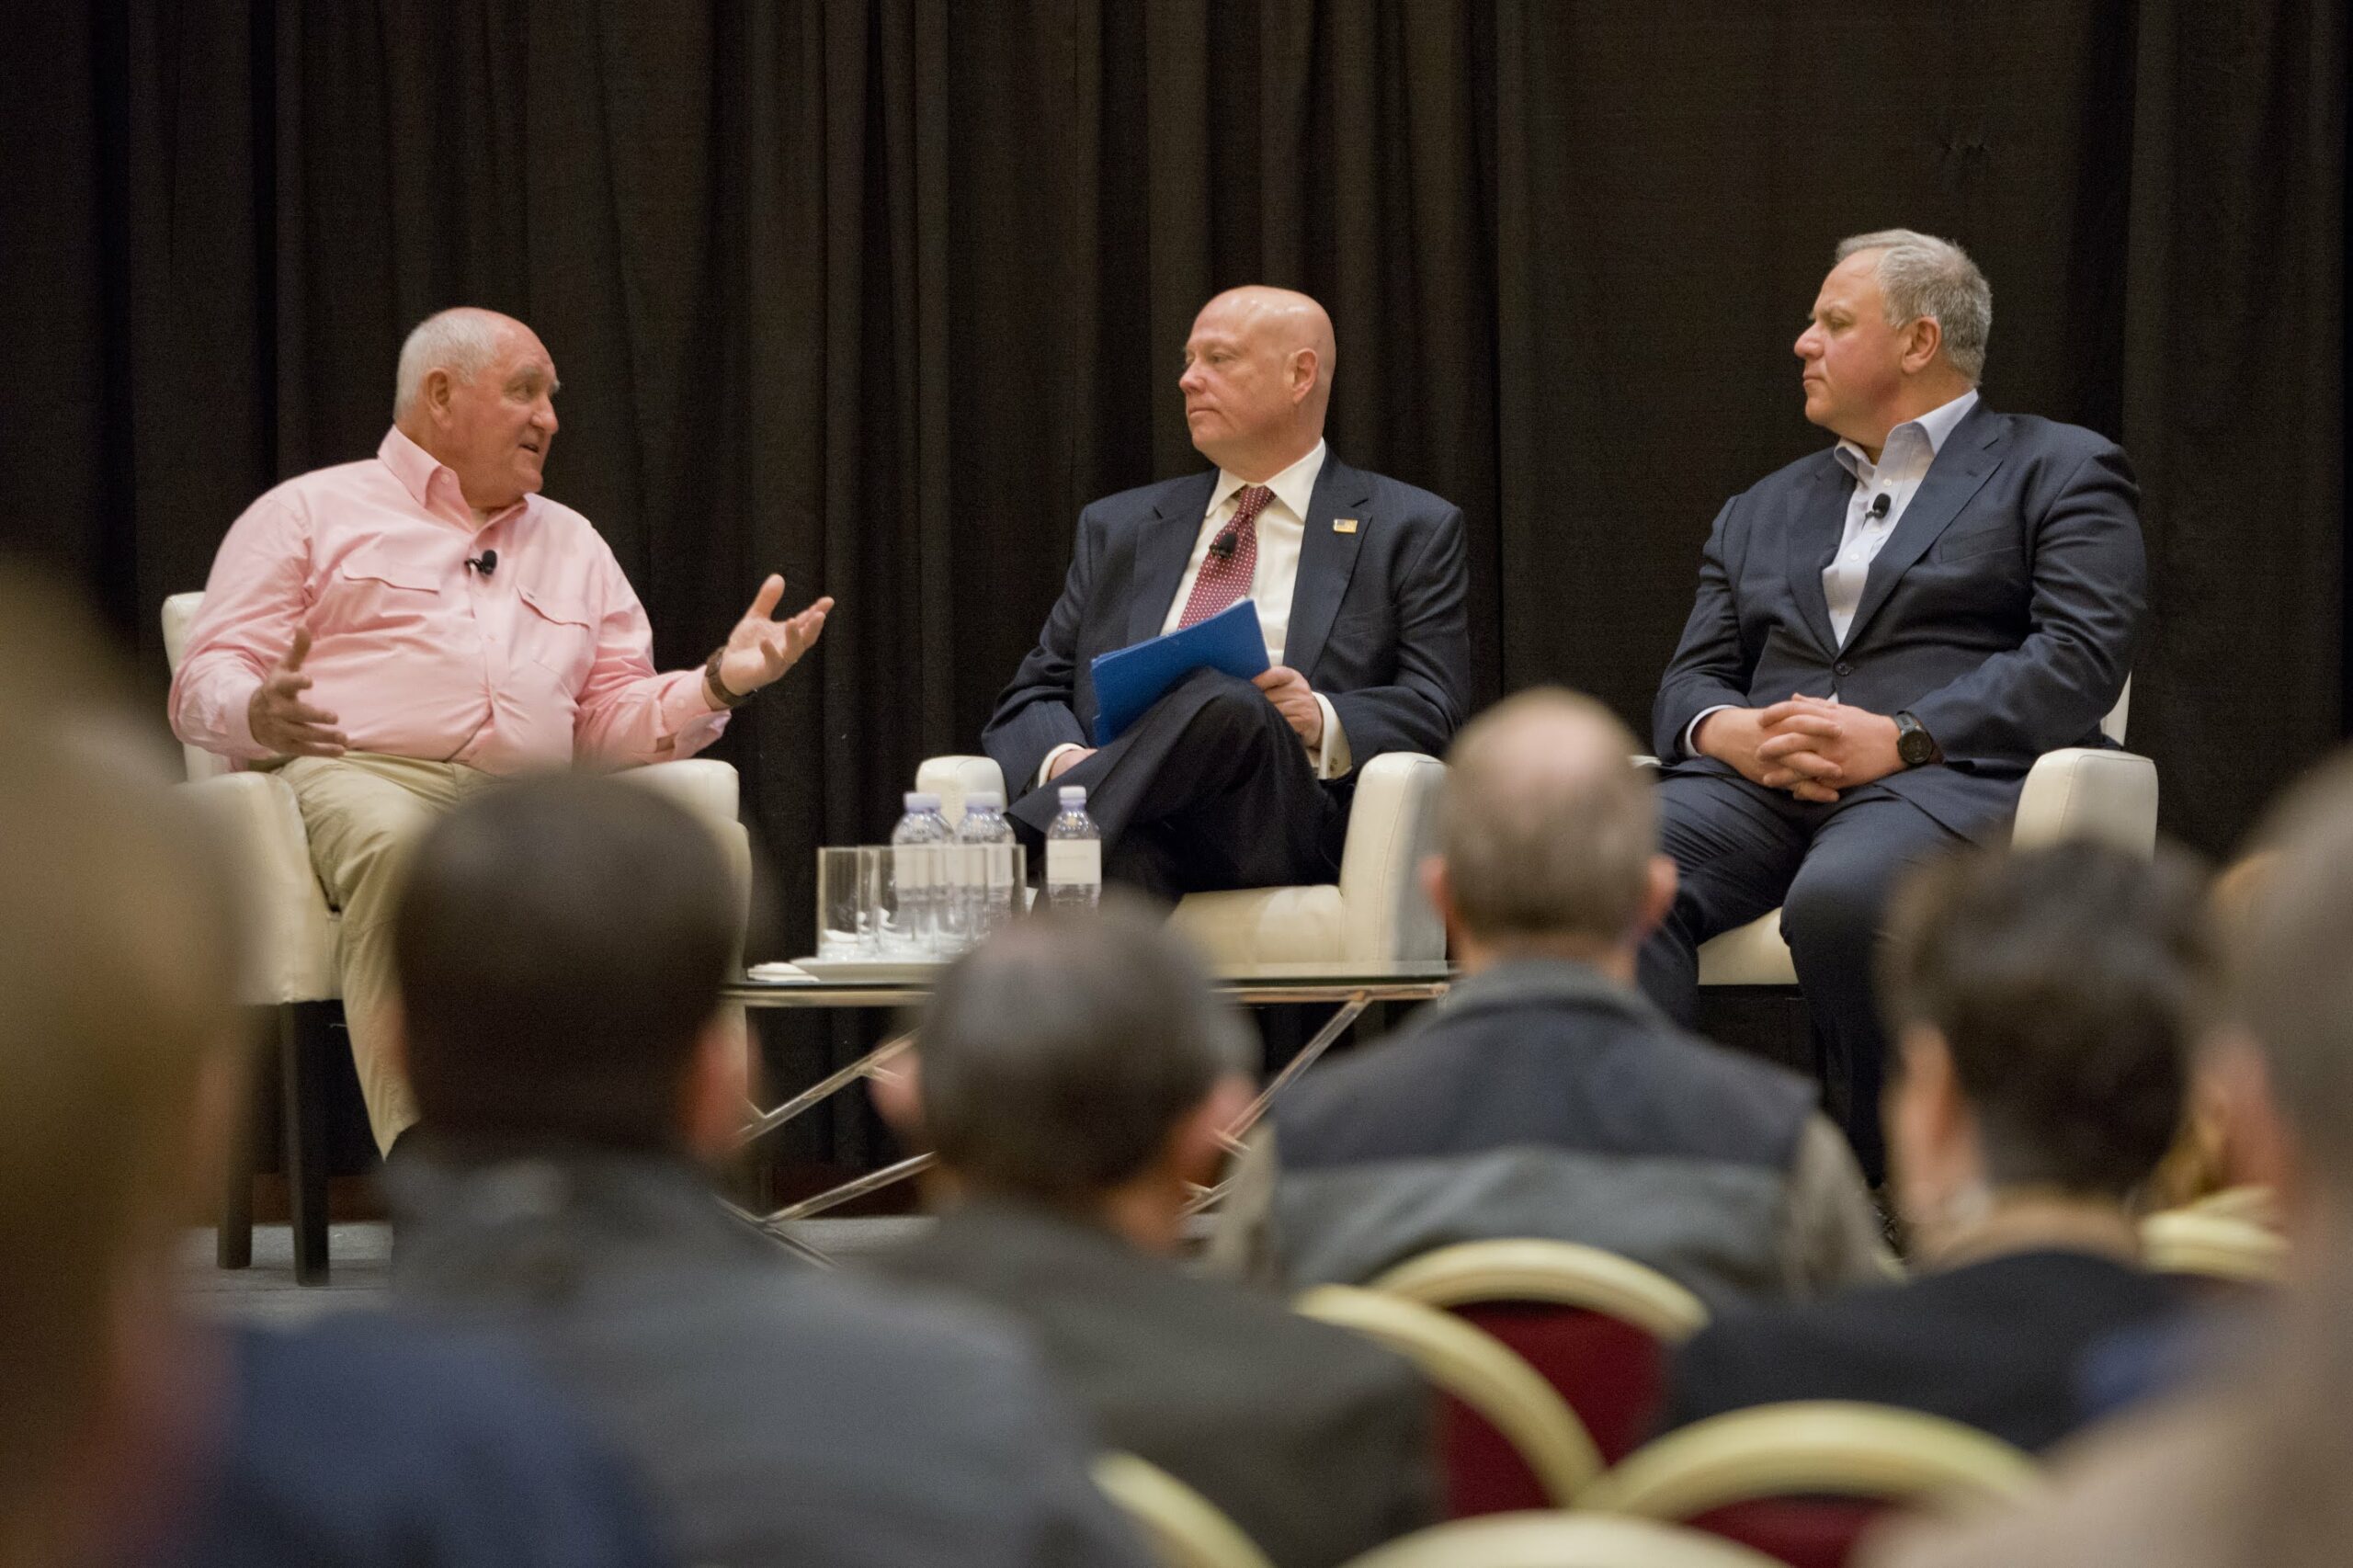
1344	524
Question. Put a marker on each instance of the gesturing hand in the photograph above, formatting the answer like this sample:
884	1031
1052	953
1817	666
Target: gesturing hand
1813	748
1294	700
760	648
278	717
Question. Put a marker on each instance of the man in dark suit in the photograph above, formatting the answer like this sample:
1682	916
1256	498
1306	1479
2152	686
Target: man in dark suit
1886	636
1075	1077
1359	583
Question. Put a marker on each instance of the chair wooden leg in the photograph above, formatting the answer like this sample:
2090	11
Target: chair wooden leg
303	1046
234	1241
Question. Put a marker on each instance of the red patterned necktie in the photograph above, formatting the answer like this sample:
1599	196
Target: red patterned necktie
1232	559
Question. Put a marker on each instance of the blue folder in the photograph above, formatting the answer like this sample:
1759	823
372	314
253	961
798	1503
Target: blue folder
1128	680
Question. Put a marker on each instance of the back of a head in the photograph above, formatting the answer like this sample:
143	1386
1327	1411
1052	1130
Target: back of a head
116	958
2292	980
1546	826
561	945
2070	985
1058	1056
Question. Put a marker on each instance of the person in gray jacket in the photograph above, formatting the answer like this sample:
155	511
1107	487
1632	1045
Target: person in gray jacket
1543	1097
561	947
1076	1075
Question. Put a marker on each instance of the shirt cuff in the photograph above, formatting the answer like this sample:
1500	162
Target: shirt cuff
237	726
1692	729
1046	768
1332	758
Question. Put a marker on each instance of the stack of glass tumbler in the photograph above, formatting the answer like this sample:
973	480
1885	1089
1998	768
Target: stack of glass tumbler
914	902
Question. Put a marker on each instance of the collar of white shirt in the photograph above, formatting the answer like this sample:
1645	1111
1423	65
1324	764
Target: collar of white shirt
1294	487
1935	427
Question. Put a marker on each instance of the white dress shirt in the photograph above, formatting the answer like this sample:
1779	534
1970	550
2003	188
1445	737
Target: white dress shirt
1282	527
1904	461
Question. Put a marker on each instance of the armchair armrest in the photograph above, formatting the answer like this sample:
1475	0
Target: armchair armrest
289	935
953	777
1389	831
712	790
705	787
2092	793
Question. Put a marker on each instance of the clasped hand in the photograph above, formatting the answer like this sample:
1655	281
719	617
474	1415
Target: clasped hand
1808	745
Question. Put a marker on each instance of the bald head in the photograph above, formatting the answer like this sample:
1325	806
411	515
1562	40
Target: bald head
1257	379
1546	829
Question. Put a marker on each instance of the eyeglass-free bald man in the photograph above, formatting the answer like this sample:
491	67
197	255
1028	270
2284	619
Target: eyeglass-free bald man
1359	583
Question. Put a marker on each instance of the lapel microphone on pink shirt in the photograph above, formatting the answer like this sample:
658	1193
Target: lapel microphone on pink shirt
485	563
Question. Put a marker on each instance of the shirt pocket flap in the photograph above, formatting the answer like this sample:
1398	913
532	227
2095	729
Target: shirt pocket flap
391	570
554	607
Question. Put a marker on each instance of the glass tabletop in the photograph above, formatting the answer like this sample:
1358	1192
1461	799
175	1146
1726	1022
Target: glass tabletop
840	983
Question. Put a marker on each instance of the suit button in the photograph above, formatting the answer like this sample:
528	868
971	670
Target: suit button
1843	668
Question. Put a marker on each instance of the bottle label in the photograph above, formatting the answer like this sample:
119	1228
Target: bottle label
1073	860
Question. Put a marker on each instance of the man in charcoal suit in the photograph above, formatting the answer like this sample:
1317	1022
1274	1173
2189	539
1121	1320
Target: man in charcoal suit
1359	583
1886	636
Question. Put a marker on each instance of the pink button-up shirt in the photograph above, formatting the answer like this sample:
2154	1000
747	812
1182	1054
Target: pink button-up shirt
546	660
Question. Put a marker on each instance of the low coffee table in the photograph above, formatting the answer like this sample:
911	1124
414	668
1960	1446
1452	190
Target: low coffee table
1350	988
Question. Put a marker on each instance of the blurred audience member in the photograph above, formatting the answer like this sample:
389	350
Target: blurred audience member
2204	1168
2257	1471
1075	1077
131	1434
1545	1096
2045	1004
561	947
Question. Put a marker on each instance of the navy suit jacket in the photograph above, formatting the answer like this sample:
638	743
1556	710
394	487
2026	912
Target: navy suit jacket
1378	619
2002	613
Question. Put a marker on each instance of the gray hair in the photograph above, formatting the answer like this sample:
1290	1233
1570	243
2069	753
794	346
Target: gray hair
1058	1055
1546	826
463	341
1920	275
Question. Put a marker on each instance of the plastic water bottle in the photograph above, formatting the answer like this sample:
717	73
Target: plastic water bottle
918	877
1074	855
984	883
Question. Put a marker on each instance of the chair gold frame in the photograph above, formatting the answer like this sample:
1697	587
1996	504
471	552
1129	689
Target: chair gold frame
1184	1529
1479	1371
1558	1273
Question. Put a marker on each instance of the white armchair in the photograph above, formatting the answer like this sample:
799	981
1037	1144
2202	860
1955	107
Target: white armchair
1375	913
291	950
2076	792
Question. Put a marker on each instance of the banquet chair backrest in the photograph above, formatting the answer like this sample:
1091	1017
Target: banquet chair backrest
1511	1441
1557	1539
1803	1480
1595	1325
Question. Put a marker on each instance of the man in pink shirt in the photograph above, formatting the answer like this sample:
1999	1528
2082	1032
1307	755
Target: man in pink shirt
394	634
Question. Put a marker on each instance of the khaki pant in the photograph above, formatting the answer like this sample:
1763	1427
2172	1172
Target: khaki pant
364	813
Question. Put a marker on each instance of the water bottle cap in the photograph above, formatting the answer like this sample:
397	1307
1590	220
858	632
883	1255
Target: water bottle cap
985	800
1073	795
920	800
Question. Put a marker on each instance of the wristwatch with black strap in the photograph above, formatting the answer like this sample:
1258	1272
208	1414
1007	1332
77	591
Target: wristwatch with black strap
1914	745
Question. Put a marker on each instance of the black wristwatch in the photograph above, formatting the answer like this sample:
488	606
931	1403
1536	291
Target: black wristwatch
1914	745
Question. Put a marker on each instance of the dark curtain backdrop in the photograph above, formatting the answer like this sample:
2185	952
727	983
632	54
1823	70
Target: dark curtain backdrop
878	294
